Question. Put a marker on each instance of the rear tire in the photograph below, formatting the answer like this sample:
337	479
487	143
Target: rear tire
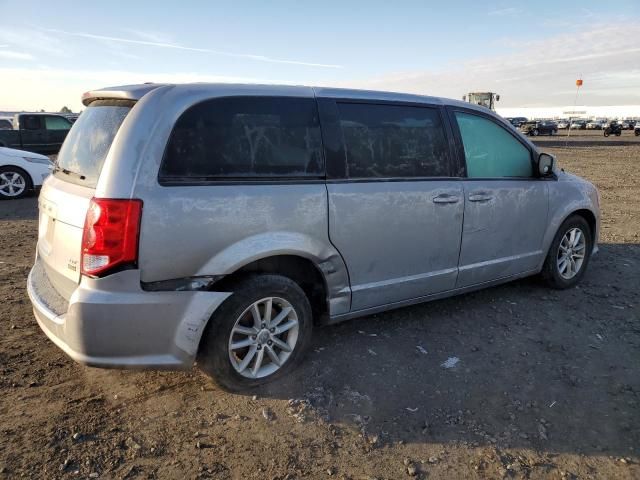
562	275
14	183
240	333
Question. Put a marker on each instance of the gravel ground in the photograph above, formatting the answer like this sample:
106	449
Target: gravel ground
546	383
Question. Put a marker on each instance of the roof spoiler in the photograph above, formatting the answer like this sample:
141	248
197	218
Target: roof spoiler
124	92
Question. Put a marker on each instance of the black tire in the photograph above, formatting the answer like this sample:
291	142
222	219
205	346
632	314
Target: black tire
618	133
637	132
214	356
550	271
27	181
535	132
606	133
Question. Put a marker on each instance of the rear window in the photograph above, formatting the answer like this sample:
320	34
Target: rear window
83	152
245	137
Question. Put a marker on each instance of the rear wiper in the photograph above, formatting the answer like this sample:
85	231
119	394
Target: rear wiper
68	172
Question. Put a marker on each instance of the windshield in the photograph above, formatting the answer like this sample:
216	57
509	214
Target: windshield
83	152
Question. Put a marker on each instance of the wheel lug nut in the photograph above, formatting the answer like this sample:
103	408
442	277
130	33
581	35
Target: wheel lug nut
263	325
253	337
269	343
259	346
272	330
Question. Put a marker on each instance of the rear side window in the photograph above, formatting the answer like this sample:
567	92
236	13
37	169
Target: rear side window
83	152
385	141
245	137
56	123
491	151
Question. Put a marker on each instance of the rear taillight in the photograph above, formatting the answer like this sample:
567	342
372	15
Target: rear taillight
110	235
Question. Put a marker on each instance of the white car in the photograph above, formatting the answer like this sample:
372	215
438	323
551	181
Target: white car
21	172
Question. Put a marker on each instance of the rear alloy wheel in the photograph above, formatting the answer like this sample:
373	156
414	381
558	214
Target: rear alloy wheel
14	182
569	253
263	337
258	334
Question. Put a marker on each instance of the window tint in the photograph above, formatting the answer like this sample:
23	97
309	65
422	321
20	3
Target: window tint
490	150
56	123
393	141
246	137
87	144
31	122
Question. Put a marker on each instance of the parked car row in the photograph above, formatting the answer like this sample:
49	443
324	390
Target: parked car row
595	124
539	127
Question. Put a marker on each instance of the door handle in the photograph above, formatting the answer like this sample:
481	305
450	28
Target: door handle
445	198
480	197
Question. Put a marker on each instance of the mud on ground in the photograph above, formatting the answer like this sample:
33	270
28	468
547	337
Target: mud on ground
547	383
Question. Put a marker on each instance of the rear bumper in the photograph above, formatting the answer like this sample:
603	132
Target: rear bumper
111	322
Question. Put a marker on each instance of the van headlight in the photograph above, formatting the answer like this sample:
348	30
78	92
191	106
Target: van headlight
41	161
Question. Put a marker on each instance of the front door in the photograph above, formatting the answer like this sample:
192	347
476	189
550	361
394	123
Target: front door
505	213
395	213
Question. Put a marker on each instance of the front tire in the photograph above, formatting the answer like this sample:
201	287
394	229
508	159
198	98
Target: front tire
569	254
259	334
14	183
535	132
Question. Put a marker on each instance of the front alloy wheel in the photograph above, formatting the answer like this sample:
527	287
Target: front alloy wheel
571	252
13	184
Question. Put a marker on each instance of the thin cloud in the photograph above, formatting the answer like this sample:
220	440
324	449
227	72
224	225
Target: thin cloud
531	76
503	12
175	46
11	55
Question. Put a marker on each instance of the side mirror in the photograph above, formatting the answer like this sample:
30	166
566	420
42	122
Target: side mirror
546	163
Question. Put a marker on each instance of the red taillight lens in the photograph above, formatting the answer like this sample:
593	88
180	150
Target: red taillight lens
110	236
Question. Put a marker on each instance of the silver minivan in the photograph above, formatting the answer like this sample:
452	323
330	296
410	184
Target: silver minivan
224	222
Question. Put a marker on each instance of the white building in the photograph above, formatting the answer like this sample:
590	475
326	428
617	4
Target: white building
579	111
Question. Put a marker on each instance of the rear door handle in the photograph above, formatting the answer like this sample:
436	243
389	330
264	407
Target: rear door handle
445	198
480	197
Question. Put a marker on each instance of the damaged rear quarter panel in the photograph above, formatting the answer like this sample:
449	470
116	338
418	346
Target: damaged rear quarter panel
217	229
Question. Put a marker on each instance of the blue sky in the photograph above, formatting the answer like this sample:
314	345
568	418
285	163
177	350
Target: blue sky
50	52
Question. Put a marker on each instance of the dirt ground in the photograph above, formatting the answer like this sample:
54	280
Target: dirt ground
547	384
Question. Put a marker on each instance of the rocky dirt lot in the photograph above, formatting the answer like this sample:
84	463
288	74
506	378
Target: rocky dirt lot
546	383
